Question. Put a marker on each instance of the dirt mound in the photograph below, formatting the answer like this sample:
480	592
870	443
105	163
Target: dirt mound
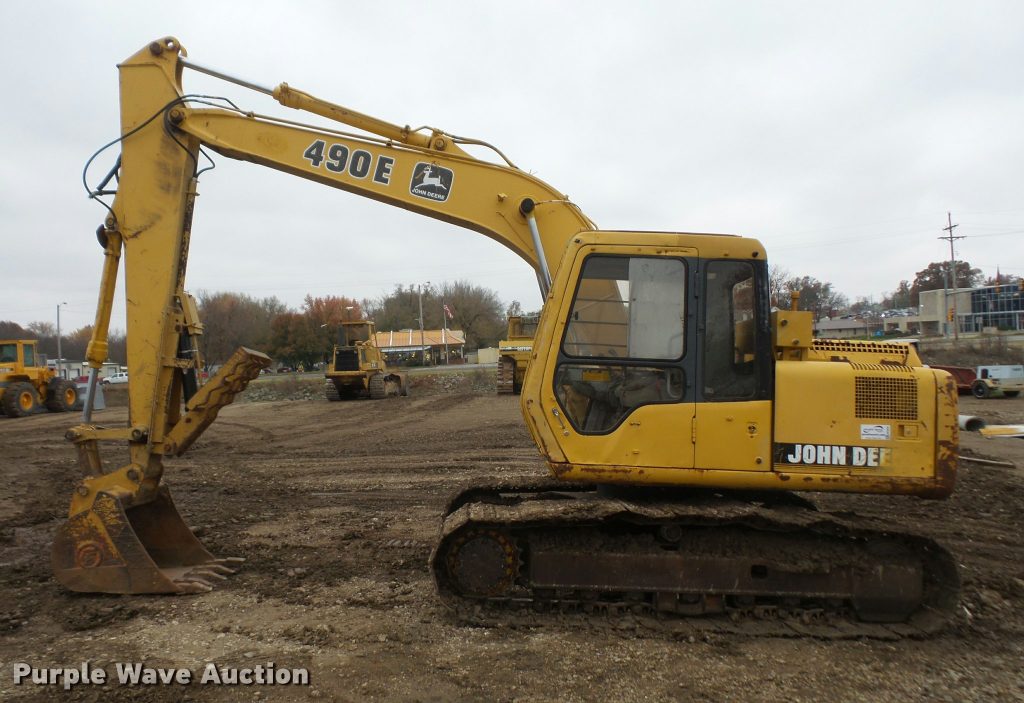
972	353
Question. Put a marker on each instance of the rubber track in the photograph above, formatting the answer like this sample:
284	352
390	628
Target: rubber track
506	375
557	505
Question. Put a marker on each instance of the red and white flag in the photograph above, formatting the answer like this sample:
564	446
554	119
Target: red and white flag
448	312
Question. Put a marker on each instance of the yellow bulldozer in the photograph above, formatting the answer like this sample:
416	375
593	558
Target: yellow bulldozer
27	385
357	368
514	353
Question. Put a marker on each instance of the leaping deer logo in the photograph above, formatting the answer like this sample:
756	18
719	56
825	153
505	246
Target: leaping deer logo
431	182
428	179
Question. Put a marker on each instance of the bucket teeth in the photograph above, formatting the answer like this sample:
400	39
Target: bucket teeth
186	587
206	573
147	548
229	560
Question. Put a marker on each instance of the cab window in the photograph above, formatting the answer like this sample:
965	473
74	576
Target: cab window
625	329
30	355
729	359
628	307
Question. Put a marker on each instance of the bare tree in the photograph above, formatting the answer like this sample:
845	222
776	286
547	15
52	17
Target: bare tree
777	293
477	312
816	296
42	328
12	330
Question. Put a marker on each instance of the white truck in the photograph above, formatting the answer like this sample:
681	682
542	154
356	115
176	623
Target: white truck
996	381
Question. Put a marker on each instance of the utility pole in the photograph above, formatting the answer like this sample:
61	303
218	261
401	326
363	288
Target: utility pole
60	370
444	329
423	347
952	270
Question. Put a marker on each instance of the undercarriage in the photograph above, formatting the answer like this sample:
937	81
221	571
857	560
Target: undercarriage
765	564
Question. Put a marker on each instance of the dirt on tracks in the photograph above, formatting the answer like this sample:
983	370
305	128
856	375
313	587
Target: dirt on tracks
335	507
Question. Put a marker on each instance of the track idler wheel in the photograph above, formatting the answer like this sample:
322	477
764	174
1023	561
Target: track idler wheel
482	563
147	548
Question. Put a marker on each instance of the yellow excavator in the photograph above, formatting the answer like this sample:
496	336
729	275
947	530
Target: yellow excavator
681	417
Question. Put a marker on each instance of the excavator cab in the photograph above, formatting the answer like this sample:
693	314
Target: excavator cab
646	350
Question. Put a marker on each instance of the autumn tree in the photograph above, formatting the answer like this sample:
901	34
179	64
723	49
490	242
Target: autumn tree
232	320
935	277
294	340
326	315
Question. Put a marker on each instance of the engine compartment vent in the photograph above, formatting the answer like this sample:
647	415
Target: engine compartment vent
886	398
346	360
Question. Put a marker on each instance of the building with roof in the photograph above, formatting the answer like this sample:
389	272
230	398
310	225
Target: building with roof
983	310
441	346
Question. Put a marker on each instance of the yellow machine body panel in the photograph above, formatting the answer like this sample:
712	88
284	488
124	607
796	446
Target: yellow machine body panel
734	436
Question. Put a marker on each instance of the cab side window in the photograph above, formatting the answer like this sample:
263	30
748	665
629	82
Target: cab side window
729	360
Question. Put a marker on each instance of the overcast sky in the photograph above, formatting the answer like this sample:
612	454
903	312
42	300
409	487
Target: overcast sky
837	133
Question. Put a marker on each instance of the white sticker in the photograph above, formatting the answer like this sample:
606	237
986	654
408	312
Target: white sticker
875	432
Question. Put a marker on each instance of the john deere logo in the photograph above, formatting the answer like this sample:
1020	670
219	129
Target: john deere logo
431	182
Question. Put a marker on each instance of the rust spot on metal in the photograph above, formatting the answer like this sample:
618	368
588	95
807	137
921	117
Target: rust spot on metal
946	461
602	471
559	470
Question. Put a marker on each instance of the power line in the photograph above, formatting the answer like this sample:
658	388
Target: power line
952	270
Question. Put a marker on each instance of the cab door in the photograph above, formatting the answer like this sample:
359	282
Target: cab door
623	378
733	424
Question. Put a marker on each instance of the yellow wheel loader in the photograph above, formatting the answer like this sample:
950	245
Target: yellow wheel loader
357	368
28	386
683	421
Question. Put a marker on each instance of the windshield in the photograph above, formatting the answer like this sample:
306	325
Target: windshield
350	334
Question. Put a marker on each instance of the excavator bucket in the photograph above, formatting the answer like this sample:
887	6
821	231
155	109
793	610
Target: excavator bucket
147	548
